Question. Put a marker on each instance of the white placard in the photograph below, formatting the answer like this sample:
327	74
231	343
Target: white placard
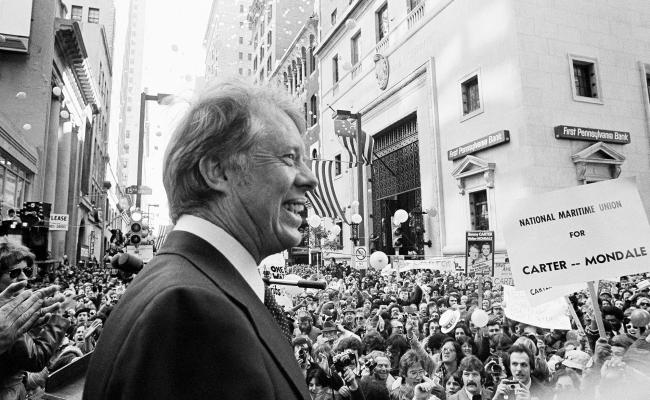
549	315
59	222
579	234
360	257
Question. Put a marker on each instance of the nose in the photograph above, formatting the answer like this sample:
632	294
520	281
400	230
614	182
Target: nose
22	276
306	178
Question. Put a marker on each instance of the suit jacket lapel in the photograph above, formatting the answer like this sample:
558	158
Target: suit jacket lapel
223	274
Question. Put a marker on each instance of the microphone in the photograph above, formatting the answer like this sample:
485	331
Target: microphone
302	283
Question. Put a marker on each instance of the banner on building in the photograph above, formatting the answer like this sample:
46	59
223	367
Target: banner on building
59	222
579	234
479	253
549	315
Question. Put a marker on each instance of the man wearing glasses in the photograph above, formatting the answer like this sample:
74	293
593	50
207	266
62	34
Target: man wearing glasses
33	349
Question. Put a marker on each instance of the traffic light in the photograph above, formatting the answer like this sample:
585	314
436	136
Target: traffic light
136	233
396	230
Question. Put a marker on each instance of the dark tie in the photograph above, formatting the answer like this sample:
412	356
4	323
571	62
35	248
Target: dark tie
277	313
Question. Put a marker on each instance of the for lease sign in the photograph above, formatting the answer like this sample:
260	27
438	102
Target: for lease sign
579	234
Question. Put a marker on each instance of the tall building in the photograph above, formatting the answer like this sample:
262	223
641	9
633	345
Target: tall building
273	26
54	92
130	90
91	219
227	40
472	104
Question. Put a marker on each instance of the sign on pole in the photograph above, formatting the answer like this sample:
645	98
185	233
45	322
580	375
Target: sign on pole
135	189
360	257
579	234
549	315
479	253
59	222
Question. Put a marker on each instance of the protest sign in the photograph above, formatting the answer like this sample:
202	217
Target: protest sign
579	234
273	267
440	264
502	274
479	256
549	315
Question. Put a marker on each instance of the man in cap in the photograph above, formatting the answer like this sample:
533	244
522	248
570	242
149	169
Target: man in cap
198	319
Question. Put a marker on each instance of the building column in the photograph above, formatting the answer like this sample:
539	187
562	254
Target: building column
49	186
62	184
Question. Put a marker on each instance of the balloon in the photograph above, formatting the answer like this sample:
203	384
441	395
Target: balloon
356	219
314	221
327	223
401	216
291	290
480	318
640	318
27	127
336	230
378	260
21	95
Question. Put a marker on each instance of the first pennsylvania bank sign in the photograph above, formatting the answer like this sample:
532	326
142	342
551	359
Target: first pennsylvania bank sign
591	134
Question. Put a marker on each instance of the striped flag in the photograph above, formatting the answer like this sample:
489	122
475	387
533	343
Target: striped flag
347	131
323	197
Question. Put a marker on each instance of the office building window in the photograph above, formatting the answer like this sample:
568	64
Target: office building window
241	55
241	8
76	13
337	165
335	69
333	17
268	64
584	71
381	22
269	38
478	211
312	58
354	48
313	104
470	93
93	15
241	40
241	71
413	4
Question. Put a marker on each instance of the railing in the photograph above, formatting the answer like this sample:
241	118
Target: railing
382	45
415	15
356	70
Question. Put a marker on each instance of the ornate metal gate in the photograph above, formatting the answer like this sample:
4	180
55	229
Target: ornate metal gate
396	182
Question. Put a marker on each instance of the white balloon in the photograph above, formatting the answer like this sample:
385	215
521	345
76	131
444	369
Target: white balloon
64	114
401	216
480	318
56	91
21	95
336	230
327	223
314	221
27	127
356	219
378	260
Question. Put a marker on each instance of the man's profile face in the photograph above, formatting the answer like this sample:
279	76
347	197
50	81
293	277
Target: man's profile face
267	199
472	381
520	367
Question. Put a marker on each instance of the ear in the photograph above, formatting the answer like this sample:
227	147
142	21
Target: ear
213	174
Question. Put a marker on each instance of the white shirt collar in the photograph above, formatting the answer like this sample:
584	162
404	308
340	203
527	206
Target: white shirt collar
221	240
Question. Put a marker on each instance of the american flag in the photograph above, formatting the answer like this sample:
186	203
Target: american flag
347	131
323	197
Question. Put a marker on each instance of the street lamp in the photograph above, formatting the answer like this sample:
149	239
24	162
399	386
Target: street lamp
144	97
355	220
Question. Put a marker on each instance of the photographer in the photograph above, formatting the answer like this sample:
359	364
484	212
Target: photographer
345	364
374	385
522	386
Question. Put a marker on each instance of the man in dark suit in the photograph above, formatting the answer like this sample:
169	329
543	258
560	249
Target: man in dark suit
193	323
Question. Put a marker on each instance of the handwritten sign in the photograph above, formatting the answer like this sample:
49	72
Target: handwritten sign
549	315
579	234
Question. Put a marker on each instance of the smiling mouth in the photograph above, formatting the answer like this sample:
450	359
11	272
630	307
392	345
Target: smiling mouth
294	207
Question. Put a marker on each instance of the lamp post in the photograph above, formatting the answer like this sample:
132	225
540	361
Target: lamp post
345	114
144	97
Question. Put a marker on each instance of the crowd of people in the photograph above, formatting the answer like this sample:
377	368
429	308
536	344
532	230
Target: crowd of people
50	315
412	337
198	321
